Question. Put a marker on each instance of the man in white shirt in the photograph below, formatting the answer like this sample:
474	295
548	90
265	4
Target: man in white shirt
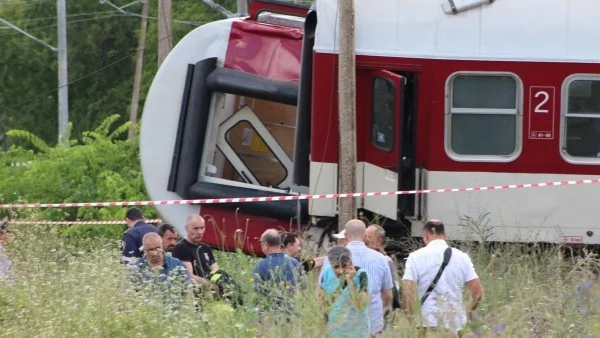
443	308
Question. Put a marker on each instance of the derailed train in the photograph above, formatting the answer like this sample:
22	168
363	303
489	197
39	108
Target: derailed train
450	93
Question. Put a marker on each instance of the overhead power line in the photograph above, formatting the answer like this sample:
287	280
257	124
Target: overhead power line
37	96
20	2
116	14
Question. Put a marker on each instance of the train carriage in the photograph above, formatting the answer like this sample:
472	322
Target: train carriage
450	93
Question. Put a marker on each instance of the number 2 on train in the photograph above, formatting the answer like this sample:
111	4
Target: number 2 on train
540	107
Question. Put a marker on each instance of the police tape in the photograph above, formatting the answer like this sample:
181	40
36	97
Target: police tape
78	222
296	197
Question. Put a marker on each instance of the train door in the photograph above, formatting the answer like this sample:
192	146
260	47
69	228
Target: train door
385	154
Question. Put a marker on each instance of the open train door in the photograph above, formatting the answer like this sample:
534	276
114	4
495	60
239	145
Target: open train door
383	168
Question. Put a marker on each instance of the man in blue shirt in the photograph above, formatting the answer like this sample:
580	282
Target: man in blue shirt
132	238
159	274
277	275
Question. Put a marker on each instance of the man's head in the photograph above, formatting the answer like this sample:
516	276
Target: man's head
340	259
341	238
291	244
433	229
374	236
355	230
169	236
152	244
132	216
270	242
195	227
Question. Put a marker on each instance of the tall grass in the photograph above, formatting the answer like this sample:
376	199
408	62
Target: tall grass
77	289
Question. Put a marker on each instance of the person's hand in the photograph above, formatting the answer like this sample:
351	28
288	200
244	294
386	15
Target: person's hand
350	272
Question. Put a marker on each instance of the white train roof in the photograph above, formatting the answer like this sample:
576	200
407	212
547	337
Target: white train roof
532	30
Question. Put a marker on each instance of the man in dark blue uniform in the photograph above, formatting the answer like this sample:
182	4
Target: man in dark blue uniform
132	238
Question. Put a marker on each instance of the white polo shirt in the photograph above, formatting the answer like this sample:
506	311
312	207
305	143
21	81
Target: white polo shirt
444	307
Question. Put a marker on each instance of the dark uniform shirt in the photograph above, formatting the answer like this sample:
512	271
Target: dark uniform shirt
132	239
201	256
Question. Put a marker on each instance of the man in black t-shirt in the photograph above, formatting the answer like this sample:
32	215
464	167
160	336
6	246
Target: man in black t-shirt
197	257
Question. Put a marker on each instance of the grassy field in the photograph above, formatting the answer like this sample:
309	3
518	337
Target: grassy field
76	289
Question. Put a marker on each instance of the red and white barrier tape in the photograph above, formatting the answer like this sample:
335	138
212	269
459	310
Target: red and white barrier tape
78	222
297	197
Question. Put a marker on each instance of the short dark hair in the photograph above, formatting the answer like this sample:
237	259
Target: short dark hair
288	238
134	214
164	228
434	227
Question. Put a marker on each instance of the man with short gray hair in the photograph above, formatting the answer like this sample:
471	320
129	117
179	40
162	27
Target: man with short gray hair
196	255
159	275
277	275
375	239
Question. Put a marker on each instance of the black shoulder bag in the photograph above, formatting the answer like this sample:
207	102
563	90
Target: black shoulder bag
447	255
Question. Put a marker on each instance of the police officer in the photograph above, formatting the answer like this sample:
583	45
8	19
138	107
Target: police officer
132	238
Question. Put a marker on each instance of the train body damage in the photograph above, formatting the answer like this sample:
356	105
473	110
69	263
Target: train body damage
449	94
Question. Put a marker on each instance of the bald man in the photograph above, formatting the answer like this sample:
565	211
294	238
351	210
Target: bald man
196	255
378	271
155	265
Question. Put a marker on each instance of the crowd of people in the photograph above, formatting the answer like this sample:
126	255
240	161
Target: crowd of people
358	282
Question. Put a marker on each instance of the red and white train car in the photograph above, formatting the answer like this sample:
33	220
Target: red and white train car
461	93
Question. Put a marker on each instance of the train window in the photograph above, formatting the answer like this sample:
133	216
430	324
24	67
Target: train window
382	114
251	148
581	118
483	119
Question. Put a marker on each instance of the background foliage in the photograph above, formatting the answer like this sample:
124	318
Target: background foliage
97	36
99	167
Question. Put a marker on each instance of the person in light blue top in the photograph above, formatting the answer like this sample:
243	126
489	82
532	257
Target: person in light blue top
345	289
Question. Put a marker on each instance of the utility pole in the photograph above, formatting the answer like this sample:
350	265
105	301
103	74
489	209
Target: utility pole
63	78
347	113
242	7
165	43
137	78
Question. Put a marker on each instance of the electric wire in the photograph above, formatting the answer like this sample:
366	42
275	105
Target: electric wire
28	30
42	94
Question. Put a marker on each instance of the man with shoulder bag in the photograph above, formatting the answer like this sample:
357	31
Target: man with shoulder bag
437	274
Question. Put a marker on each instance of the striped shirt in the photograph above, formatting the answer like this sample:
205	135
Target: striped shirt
380	278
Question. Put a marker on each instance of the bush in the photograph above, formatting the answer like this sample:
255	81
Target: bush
100	167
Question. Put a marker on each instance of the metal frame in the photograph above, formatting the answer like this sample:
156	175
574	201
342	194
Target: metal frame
449	111
564	114
246	114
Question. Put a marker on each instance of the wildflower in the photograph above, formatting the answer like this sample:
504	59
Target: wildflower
499	328
583	286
